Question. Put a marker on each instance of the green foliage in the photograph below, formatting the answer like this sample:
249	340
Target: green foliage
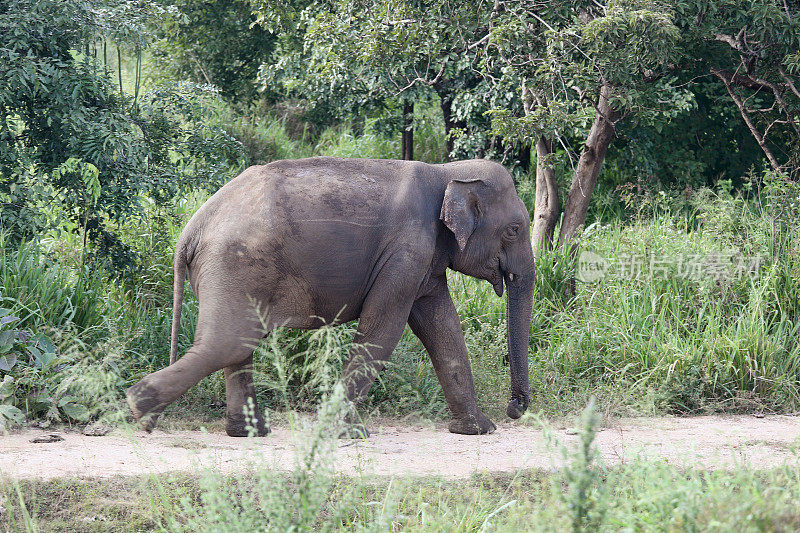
32	370
296	369
695	344
62	122
749	46
38	296
188	150
215	43
47	294
267	135
268	502
560	53
409	385
341	60
265	138
582	476
690	150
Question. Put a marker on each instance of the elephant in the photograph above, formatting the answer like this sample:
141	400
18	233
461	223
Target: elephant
316	240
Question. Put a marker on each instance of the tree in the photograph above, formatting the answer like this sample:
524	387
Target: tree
214	42
582	68
751	47
73	146
384	55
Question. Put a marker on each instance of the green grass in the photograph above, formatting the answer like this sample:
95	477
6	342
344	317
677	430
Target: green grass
683	344
639	497
40	290
268	136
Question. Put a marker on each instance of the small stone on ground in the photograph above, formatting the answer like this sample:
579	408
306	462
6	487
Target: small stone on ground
44	439
97	429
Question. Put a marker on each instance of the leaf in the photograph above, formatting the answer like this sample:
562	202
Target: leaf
7	319
67	399
52	415
42	359
7	362
6	387
44	343
6	338
75	411
9	412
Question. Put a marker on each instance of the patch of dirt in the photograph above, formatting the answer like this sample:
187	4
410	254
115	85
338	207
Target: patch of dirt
396	449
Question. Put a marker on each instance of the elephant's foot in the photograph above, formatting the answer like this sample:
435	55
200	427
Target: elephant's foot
144	405
353	427
473	425
241	426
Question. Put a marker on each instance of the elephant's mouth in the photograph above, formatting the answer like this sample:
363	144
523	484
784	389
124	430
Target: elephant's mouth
498	287
500	275
498	281
496	276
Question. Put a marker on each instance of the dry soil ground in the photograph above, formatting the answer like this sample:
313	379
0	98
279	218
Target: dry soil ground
397	449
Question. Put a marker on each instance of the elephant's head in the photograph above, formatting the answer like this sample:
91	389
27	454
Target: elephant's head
492	242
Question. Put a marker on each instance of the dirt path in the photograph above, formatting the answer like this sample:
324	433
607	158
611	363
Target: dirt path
708	441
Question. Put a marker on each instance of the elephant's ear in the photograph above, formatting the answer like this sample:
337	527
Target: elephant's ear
461	209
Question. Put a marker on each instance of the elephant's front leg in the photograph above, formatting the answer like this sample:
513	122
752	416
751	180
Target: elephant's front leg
380	325
435	321
374	342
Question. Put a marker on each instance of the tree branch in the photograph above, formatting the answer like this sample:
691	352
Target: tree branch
731	41
788	81
202	70
727	80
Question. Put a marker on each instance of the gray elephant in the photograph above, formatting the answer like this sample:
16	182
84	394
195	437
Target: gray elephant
310	241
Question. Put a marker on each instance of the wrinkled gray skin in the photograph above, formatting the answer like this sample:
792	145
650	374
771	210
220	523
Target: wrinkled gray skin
319	240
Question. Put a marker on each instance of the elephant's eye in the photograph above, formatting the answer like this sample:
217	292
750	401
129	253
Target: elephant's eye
512	231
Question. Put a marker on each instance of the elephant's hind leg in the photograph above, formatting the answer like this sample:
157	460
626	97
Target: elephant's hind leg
242	413
148	398
213	349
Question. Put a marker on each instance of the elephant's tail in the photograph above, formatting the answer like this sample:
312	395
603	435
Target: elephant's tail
177	298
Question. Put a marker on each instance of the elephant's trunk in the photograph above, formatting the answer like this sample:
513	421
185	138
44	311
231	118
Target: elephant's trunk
518	313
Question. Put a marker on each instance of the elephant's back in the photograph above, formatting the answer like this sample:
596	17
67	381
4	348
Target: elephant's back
323	189
320	223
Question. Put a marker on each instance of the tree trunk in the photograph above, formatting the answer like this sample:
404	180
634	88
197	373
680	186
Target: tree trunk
546	208
449	124
407	142
592	156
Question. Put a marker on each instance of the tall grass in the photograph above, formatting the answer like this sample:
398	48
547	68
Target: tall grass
45	293
705	343
269	135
